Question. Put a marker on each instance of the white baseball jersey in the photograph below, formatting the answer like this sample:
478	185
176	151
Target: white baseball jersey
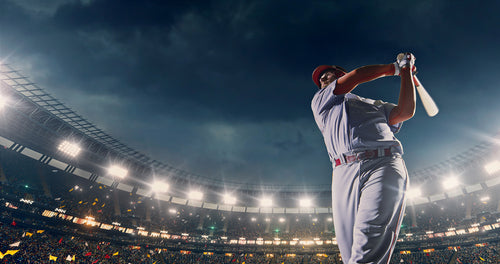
350	123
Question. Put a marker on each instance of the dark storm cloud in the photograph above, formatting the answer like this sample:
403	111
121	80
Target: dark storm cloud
223	89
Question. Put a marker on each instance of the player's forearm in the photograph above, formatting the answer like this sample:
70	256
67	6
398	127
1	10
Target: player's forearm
361	75
407	99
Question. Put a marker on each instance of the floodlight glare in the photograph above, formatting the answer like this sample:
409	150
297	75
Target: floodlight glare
3	101
71	149
306	202
229	199
450	182
282	220
266	202
414	193
195	195
160	187
485	198
117	171
492	167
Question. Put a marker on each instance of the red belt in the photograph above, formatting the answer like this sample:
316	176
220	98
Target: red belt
366	154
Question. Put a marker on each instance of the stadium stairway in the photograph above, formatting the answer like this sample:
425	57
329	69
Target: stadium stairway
162	260
453	258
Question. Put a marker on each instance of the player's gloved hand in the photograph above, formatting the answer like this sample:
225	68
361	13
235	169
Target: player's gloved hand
404	60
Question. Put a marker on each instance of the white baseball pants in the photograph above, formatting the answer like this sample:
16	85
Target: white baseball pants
368	207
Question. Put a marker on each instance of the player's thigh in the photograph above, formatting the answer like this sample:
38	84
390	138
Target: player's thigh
383	186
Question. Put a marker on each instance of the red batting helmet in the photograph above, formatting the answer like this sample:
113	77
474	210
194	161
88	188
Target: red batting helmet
322	68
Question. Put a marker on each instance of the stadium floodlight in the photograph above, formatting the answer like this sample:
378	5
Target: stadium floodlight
229	199
71	149
492	167
266	202
484	199
414	193
160	187
268	219
282	220
450	182
195	195
305	202
3	101
172	211
117	171
253	219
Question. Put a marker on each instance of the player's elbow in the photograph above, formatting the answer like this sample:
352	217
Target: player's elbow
400	114
408	112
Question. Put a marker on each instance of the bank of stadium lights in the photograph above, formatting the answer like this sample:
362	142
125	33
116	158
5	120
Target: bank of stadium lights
229	199
282	220
305	202
68	148
492	167
484	199
414	192
195	195
160	187
266	202
117	171
450	182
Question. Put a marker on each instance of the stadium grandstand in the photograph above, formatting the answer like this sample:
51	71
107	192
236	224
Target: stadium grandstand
69	192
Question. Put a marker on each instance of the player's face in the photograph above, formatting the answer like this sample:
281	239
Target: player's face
326	78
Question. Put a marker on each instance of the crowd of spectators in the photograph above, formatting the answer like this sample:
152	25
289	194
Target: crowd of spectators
83	198
437	256
46	246
40	246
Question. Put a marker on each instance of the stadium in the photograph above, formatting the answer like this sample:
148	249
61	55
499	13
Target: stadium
72	193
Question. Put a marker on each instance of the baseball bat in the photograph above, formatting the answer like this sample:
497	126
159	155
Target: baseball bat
429	104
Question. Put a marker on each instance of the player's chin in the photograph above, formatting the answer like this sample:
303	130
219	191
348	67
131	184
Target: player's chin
325	84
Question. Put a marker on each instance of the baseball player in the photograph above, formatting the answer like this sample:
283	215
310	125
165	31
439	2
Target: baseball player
369	178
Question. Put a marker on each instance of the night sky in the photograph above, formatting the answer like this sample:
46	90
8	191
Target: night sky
222	89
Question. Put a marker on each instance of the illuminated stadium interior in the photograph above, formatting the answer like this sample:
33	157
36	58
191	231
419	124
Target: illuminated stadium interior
103	185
